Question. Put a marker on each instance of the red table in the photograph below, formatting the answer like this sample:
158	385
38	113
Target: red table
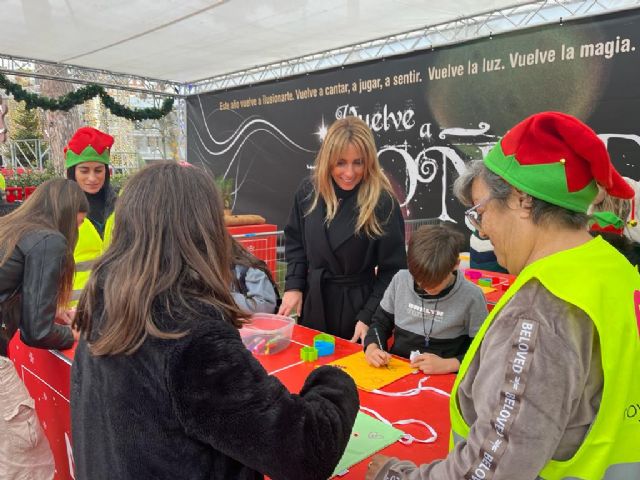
47	376
499	281
430	407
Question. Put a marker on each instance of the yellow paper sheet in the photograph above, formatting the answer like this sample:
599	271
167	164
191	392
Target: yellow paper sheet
486	290
371	378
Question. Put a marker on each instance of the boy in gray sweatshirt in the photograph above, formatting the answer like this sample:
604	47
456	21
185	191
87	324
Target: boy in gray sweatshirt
429	308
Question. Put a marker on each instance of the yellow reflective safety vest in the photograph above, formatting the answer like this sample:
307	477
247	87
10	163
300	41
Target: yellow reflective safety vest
89	247
601	282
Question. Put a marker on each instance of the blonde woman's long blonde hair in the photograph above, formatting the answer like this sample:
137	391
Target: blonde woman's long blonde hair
351	130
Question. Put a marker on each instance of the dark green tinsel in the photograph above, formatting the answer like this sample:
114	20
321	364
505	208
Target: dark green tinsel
70	100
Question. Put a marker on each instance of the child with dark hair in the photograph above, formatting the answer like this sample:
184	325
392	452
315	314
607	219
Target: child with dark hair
253	288
429	308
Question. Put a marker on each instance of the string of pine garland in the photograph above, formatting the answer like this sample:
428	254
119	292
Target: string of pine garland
77	97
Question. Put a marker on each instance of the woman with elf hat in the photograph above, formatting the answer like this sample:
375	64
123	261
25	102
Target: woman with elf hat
87	158
607	221
549	387
632	227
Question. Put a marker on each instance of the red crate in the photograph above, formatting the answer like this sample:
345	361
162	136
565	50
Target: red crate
257	240
28	191
14	194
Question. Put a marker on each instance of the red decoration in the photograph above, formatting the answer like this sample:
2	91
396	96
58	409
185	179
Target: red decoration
552	137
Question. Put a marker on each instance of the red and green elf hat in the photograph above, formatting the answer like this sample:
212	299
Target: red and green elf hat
606	222
88	144
557	158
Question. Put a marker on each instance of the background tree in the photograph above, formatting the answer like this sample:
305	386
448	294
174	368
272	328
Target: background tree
27	123
59	126
25	129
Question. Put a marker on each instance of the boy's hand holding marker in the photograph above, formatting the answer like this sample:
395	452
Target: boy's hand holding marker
375	355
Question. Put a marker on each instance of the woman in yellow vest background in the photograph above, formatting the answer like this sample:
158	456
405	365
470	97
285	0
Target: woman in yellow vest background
549	387
87	157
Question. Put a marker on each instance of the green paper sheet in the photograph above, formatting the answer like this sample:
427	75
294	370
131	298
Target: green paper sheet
368	436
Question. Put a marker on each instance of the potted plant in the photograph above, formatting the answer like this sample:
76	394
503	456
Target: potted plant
26	181
118	180
226	186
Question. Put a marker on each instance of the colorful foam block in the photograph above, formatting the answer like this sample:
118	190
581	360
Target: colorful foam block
325	337
324	348
308	354
473	274
325	344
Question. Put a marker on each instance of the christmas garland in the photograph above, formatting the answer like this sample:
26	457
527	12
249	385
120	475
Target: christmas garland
70	100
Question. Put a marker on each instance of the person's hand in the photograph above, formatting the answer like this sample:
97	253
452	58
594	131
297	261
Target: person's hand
359	332
375	356
430	363
65	317
375	465
291	301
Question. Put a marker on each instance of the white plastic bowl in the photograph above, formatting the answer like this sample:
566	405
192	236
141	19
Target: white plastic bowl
267	334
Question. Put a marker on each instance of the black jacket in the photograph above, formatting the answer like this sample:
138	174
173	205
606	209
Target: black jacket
335	268
202	407
29	282
101	205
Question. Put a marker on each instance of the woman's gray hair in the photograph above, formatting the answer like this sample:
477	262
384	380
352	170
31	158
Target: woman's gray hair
499	189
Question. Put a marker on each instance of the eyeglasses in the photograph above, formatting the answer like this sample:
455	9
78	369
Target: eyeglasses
474	217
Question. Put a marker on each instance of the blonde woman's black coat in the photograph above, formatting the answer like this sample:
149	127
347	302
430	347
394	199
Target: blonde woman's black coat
343	275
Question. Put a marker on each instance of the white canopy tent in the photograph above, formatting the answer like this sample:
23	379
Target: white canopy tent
176	48
191	42
183	41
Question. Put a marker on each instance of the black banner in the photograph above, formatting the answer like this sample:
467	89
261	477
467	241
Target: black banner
431	112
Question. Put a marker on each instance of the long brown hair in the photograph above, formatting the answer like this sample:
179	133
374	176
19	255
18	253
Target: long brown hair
374	183
170	247
54	205
241	256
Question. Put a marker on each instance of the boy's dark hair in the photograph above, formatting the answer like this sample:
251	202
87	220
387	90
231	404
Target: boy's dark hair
433	253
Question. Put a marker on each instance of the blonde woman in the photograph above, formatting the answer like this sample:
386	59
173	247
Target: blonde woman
344	240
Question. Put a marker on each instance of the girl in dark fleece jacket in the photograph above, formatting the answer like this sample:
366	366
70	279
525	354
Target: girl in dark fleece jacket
162	386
